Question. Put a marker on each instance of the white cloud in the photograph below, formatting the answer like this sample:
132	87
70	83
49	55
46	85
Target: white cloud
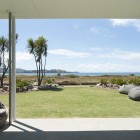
68	53
102	31
96	30
23	56
119	54
76	26
122	22
98	49
126	22
108	67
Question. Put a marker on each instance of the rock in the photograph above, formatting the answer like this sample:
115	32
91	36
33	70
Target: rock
104	86
35	84
17	89
55	85
113	87
21	89
98	85
109	85
29	87
6	88
42	87
124	89
25	89
116	86
35	88
134	93
49	86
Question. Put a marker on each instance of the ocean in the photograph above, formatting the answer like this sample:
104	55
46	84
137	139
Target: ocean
85	74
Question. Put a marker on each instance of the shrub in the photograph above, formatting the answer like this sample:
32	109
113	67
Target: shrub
135	81
131	81
103	81
71	76
121	81
49	81
113	81
132	74
22	83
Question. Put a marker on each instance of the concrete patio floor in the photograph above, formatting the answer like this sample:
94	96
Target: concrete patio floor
73	129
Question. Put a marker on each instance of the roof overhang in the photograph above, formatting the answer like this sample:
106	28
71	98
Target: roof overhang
37	9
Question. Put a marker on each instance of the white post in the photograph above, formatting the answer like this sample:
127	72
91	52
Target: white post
10	44
13	71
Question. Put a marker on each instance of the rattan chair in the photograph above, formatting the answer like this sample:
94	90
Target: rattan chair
3	114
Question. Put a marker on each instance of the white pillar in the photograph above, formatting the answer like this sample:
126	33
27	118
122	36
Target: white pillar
10	44
13	71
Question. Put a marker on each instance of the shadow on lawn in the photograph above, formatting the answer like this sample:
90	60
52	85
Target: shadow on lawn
55	89
38	134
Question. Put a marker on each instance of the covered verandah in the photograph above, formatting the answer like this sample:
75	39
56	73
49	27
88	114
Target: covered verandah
46	9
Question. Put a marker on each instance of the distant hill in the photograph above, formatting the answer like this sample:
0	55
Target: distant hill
19	70
47	71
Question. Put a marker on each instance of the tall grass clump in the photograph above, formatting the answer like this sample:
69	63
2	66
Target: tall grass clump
119	81
113	81
135	81
71	76
103	81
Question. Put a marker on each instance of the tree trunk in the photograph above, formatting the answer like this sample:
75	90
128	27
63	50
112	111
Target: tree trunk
36	65
3	75
45	67
42	76
39	75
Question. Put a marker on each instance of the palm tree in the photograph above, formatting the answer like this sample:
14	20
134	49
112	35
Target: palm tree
3	50
39	49
41	44
31	48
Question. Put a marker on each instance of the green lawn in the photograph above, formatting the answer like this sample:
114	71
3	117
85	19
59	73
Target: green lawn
75	102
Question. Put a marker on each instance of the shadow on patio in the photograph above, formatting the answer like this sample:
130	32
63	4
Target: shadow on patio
28	132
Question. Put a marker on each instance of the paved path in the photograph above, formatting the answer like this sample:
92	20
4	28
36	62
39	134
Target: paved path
73	129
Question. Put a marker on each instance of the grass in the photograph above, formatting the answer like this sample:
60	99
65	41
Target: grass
73	79
75	102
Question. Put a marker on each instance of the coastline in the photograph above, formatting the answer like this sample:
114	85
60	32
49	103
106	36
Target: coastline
87	74
82	74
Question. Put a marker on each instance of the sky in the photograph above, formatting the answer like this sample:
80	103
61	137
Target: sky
83	45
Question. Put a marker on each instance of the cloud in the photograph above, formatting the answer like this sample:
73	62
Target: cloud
76	26
122	22
23	56
126	22
106	67
119	54
68	53
102	31
96	30
98	49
